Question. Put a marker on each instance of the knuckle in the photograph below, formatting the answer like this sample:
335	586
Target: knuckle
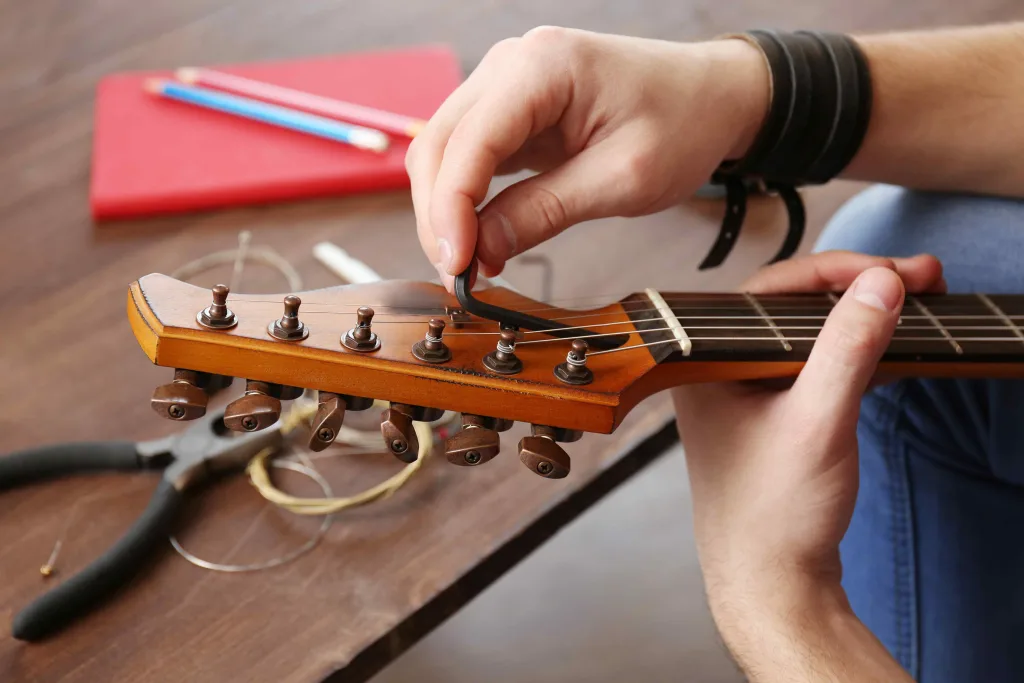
547	37
502	49
637	175
411	154
849	344
551	208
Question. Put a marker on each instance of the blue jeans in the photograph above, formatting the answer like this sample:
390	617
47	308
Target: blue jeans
934	558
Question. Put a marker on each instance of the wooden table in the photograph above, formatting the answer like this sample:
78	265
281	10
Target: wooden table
386	574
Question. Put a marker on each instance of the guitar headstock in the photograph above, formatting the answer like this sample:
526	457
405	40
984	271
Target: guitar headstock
408	343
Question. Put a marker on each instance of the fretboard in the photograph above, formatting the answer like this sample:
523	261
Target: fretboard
736	327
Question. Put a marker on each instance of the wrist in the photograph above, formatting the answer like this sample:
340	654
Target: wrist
740	82
739	607
784	630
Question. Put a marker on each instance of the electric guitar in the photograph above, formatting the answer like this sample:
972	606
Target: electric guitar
413	345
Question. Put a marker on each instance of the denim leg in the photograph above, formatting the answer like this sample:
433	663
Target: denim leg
934	558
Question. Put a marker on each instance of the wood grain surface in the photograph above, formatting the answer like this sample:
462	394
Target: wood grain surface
387	573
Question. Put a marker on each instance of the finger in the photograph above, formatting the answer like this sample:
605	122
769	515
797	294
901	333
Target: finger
530	98
848	348
427	149
538	208
833	271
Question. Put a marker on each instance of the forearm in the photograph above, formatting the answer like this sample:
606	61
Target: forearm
946	113
810	635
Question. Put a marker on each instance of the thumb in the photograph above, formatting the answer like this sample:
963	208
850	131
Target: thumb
850	344
540	207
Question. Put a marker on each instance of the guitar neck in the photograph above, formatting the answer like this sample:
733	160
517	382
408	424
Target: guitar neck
772	335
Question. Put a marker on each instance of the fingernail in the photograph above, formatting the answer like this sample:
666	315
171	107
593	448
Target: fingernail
496	236
878	288
444	255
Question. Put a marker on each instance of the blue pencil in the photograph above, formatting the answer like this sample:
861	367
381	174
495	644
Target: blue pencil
357	136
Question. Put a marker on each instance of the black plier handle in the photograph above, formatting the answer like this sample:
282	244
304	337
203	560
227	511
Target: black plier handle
185	459
118	565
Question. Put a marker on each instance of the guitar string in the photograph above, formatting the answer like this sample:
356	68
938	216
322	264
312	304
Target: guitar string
691	332
676	309
599	301
775	341
683	319
682	299
760	319
780	301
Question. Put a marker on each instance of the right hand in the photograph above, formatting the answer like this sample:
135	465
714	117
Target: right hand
616	126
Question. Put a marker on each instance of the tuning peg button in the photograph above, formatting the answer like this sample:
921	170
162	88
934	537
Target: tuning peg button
327	421
474	444
399	435
255	410
182	399
542	455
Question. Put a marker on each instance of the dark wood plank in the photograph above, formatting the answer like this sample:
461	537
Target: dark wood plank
387	573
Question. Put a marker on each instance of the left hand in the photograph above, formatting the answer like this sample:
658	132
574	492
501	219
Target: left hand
773	473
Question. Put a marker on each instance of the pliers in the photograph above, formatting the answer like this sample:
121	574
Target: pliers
186	459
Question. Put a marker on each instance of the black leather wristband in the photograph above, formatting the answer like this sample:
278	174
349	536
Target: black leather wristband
837	154
781	78
822	121
779	162
814	135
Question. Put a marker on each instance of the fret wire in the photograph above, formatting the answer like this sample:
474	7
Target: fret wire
771	323
998	311
945	333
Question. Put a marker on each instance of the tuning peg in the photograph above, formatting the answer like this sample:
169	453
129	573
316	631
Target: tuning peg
182	399
362	337
327	421
217	315
399	435
503	359
431	348
475	443
542	455
288	327
257	409
574	370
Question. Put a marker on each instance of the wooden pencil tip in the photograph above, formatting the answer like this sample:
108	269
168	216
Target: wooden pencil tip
187	74
153	85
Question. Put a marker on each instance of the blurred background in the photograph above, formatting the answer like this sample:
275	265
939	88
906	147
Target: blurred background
616	595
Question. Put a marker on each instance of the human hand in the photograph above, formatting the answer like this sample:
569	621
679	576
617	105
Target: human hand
773	473
615	125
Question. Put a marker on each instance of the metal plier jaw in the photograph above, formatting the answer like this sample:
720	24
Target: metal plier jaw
206	448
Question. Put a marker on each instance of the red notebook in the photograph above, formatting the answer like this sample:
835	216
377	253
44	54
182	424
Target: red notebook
155	156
